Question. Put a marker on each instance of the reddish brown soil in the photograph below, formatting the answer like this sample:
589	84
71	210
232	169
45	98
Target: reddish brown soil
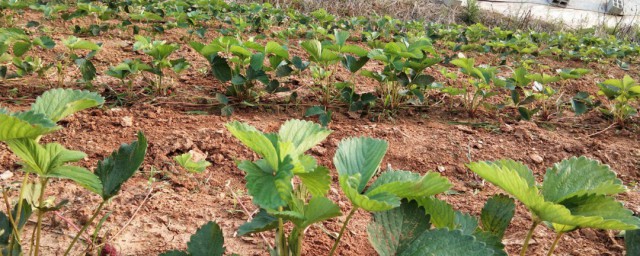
163	205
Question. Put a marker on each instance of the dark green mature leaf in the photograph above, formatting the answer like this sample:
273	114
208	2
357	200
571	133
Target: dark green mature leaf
394	230
60	103
353	64
319	209
207	241
5	223
579	176
497	214
444	242
221	69
466	223
20	48
114	170
87	69
174	253
360	156
610	214
268	188
632	242
261	222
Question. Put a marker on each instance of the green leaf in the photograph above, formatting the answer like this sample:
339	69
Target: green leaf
7	227
361	156
278	50
261	222
114	170
497	214
207	241
75	43
42	159
87	69
579	176
605	212
25	125
185	160
303	134
394	230
516	184
221	69
317	182
341	36
373	203
444	242
268	187
353	64
441	213
80	175
256	141
319	209
405	184
314	49
60	103
20	48
257	61
632	242
465	223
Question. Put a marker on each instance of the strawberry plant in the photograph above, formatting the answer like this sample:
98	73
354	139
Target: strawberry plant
73	46
576	193
622	93
482	81
402	76
21	131
160	52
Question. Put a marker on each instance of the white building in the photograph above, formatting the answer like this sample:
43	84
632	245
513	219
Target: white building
576	13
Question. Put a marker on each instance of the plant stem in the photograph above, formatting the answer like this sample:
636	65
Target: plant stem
16	234
86	225
282	241
555	243
528	238
344	226
40	214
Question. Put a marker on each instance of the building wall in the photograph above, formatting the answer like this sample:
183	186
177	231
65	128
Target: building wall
578	13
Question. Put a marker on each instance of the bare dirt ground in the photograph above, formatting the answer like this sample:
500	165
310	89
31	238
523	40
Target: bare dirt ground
163	205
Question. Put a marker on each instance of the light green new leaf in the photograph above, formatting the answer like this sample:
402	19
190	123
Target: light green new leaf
441	213
317	182
207	241
25	125
256	141
75	43
303	134
512	177
605	212
579	176
405	184
394	230
314	49
42	159
270	189
374	203
60	103
80	175
277	49
360	156
497	214
510	180
185	160
114	170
